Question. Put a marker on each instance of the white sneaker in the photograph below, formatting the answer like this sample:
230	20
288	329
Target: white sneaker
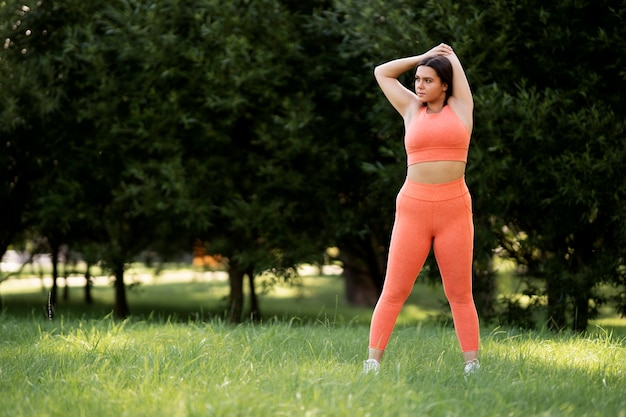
371	365
471	367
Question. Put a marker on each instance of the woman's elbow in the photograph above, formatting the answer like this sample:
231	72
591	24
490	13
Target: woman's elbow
378	72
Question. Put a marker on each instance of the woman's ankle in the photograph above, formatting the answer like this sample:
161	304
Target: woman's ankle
470	356
375	354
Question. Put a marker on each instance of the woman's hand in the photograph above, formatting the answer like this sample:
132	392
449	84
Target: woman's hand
401	98
441	49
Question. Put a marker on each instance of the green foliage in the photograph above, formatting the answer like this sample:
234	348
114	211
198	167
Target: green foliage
175	122
549	130
257	127
553	142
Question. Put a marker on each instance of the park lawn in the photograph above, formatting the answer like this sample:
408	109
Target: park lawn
103	367
186	294
177	357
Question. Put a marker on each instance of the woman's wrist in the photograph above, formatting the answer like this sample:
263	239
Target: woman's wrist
397	67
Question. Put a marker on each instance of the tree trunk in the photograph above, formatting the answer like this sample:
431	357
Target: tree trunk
54	249
66	275
583	285
88	284
557	301
235	298
624	303
120	310
255	312
361	286
581	314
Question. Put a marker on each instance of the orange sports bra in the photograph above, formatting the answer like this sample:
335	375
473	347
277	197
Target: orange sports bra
436	137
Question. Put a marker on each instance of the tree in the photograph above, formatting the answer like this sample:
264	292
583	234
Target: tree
124	60
258	155
205	113
31	104
133	176
258	128
22	96
553	158
530	67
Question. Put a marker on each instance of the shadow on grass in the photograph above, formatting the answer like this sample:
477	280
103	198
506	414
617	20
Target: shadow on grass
313	300
33	304
183	301
310	300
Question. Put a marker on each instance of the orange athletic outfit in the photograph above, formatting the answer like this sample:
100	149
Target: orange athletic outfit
437	215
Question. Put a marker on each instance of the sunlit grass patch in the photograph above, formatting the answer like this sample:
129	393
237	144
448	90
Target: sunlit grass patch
188	295
136	367
176	356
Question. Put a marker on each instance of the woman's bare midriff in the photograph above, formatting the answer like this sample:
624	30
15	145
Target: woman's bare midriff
436	172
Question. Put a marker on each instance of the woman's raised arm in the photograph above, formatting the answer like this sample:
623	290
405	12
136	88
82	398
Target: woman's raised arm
461	100
400	97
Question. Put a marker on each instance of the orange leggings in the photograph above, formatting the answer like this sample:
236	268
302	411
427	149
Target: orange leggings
437	215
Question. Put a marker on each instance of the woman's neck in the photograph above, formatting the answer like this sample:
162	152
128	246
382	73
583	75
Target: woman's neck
432	108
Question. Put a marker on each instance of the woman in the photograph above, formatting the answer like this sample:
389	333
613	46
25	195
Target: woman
434	206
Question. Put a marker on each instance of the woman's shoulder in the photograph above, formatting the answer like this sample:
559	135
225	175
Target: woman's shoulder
416	108
462	111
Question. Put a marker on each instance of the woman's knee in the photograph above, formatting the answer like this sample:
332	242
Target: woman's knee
459	295
396	294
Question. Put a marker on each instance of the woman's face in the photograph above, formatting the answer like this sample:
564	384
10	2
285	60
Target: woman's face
428	85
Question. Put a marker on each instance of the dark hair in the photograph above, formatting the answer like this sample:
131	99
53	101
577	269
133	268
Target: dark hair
443	68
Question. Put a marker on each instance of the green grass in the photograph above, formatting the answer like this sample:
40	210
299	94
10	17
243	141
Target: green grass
176	357
163	368
190	297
